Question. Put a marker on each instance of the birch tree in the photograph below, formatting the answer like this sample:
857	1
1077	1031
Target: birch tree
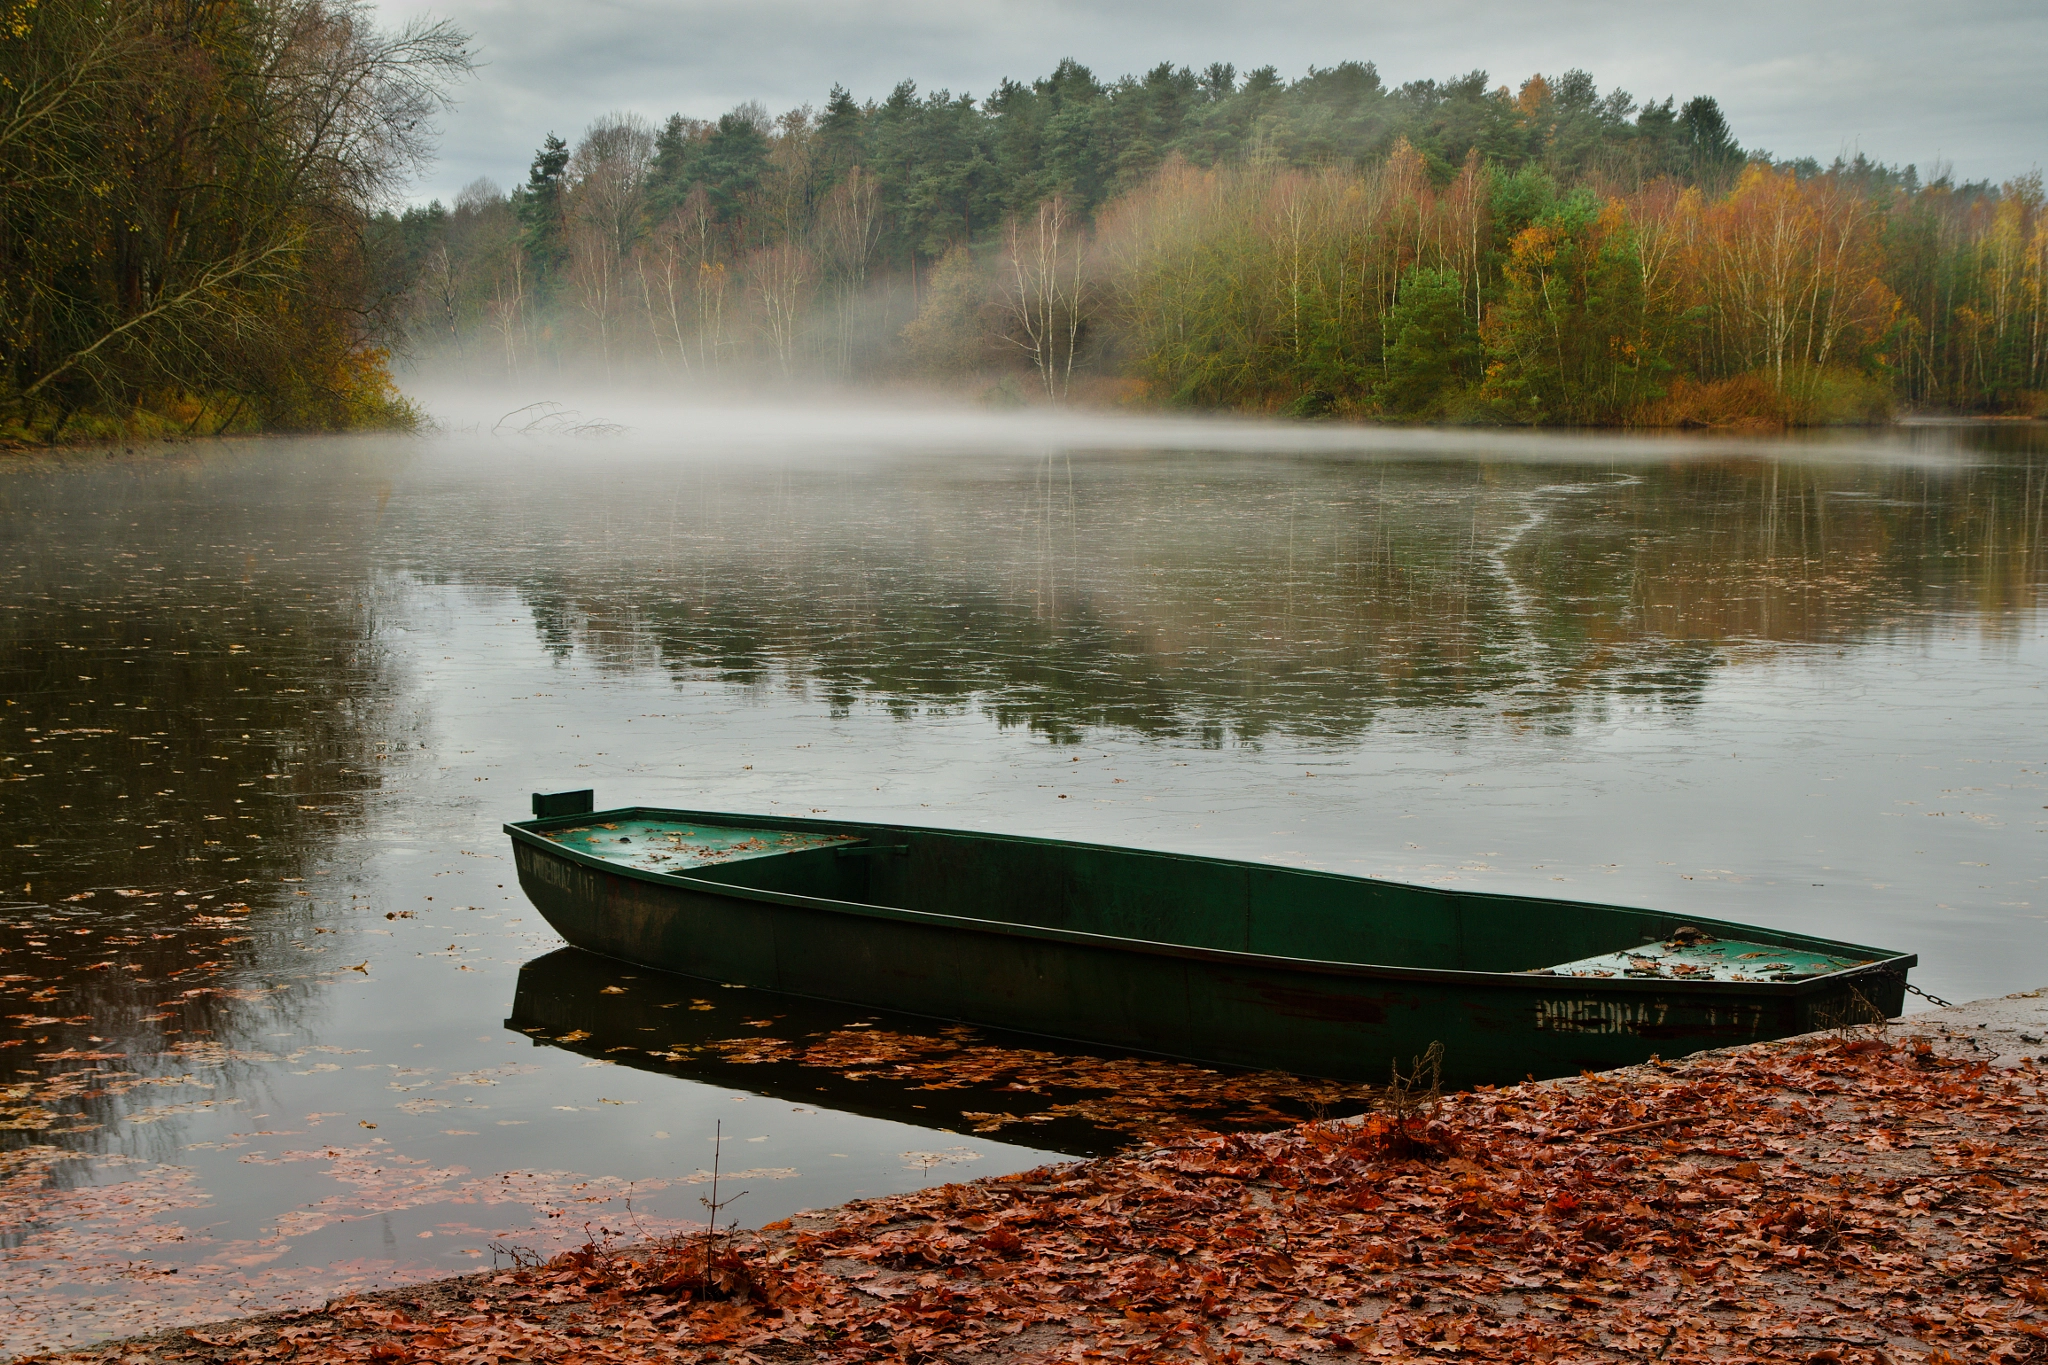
1043	290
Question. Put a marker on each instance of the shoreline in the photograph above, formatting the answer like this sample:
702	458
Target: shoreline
977	397
1874	1194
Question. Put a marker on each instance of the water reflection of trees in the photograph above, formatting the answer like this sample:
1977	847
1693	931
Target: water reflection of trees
197	706
197	640
1233	600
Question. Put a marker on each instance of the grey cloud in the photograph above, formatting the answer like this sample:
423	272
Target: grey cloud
1902	81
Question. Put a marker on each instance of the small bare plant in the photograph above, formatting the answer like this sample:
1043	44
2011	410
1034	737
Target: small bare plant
519	1257
1408	1098
1420	1091
713	1206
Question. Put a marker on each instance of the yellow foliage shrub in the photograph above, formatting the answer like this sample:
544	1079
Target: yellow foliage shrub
1753	402
1748	402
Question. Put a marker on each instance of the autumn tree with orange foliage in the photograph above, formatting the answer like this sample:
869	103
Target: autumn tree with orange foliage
1790	272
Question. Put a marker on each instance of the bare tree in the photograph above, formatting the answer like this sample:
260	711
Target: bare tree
438	282
609	174
1043	287
487	279
237	197
67	62
357	103
714	289
711	283
683	282
666	267
506	310
791	183
779	278
848	229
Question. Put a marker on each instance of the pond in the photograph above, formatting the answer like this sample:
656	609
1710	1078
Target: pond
279	1024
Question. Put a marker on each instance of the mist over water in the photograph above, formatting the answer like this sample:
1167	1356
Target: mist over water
285	692
670	419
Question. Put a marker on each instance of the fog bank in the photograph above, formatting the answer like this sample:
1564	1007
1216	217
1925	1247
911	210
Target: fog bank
801	423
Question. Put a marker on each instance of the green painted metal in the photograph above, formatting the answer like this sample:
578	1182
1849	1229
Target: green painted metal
1207	959
548	805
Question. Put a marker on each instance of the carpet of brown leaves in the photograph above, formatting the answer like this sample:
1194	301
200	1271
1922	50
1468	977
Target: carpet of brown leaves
1837	1199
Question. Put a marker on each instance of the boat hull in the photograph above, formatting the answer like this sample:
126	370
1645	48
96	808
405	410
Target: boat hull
1313	1017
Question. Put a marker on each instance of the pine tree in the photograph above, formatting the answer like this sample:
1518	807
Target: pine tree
1435	352
539	205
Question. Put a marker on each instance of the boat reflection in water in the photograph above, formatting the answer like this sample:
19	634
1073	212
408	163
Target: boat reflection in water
901	1068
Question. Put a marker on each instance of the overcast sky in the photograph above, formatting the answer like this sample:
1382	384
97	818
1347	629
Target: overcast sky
1964	82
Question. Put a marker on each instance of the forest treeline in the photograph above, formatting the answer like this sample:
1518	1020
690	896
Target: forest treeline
186	194
1437	251
196	235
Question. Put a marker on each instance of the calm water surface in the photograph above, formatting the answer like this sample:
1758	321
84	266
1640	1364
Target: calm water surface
267	704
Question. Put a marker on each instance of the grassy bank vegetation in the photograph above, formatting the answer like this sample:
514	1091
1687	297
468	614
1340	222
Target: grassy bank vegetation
1453	251
184	194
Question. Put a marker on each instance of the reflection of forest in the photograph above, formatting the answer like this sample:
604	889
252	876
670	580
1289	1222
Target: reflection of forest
197	702
1233	600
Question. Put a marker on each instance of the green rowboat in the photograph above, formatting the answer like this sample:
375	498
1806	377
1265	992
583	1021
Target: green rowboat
1206	959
